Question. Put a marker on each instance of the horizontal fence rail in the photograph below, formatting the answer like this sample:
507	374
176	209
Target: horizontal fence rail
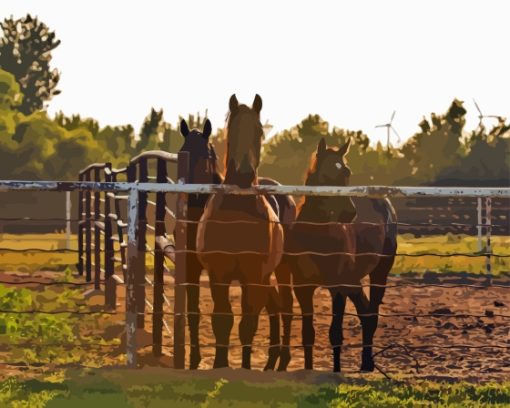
350	191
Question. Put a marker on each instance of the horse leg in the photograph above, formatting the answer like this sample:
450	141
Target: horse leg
222	322
254	298
362	304
378	278
273	310
287	300
304	296
336	337
193	293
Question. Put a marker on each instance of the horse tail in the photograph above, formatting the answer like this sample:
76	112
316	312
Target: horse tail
390	244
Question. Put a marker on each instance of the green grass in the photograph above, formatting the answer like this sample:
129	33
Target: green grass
449	244
162	388
37	338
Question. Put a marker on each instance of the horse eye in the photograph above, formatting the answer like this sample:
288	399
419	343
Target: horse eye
338	165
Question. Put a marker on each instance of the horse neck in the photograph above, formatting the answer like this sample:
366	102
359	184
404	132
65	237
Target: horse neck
327	209
238	178
198	201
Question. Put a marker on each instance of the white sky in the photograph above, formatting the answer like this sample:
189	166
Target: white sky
352	62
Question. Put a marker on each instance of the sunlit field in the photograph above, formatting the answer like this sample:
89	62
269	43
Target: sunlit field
407	244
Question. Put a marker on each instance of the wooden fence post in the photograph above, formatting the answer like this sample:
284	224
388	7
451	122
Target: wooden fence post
133	265
97	233
110	285
142	241
479	222
88	232
81	225
159	259
180	262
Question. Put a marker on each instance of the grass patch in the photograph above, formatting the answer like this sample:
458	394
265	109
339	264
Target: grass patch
159	388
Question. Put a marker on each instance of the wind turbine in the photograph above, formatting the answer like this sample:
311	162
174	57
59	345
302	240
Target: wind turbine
389	128
481	116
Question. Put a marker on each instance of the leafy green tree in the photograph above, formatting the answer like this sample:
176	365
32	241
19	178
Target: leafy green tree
151	133
438	145
25	51
10	98
287	155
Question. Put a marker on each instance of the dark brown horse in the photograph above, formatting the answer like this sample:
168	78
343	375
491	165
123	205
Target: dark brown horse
203	170
335	243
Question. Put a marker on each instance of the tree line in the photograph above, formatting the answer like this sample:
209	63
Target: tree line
35	146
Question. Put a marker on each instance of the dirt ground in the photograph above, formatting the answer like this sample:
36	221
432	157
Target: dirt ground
430	337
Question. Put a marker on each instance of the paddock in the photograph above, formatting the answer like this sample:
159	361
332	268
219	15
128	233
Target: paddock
130	271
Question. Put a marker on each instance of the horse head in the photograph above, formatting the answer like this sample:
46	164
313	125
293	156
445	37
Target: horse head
201	153
329	166
244	141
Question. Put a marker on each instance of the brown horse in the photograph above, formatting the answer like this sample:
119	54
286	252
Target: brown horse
239	237
203	170
335	243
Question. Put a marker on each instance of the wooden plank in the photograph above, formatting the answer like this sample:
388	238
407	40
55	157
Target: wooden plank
142	240
80	229
88	232
180	262
110	286
159	259
97	233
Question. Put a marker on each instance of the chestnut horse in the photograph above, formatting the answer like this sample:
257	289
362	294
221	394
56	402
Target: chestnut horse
239	237
203	170
335	243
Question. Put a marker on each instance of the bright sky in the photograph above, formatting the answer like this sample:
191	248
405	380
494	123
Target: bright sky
352	62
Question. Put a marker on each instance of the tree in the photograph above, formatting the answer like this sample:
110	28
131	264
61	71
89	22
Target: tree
10	98
25	51
151	133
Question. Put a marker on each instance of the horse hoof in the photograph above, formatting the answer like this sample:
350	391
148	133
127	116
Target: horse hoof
367	367
274	353
284	360
194	361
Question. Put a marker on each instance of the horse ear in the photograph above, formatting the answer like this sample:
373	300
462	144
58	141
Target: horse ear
345	148
257	103
184	128
233	103
321	147
207	129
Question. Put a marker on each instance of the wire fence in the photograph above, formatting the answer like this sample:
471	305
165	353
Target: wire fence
113	251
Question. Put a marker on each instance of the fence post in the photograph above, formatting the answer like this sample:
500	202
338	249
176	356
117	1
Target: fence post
97	233
159	259
68	220
110	285
88	232
80	228
133	264
119	230
142	243
488	249
180	262
479	222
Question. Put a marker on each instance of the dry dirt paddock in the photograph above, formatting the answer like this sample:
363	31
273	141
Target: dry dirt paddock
462	315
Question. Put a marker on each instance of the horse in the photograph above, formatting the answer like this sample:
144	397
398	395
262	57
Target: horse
203	170
336	242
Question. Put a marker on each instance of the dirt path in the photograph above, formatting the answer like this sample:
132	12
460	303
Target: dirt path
436	334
